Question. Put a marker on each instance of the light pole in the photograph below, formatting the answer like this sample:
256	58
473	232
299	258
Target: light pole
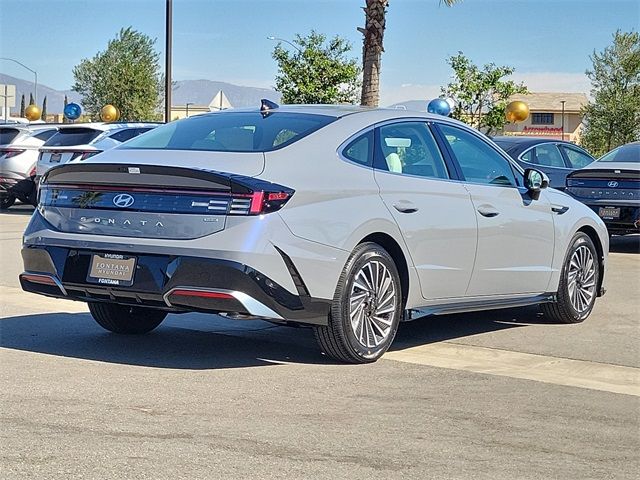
277	39
35	74
167	60
187	109
563	102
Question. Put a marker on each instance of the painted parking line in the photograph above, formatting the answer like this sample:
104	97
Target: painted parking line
540	368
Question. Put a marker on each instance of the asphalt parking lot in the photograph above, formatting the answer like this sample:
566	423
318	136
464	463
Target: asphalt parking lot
495	395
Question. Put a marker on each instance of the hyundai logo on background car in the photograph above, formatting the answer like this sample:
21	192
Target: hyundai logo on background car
613	184
123	200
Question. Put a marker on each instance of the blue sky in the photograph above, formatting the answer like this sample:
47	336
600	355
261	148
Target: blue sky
547	41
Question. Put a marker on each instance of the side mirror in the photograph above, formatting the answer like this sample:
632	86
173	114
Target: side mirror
534	181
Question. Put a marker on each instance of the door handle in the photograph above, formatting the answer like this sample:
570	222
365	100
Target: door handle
405	207
559	209
488	211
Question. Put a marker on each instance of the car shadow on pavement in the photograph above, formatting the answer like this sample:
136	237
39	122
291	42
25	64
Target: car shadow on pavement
624	244
438	328
196	341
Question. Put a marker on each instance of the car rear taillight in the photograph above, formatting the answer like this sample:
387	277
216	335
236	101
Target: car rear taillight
10	152
259	203
84	155
32	172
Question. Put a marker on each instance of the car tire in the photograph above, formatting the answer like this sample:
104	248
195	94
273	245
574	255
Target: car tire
579	282
369	292
126	319
7	202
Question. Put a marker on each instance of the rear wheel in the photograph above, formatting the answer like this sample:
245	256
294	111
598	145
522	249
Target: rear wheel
7	201
366	308
125	319
578	286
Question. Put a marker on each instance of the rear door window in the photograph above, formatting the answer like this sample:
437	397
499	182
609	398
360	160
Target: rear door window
410	148
68	137
7	135
577	158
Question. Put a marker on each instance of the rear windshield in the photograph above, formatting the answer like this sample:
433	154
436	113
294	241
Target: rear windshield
68	137
231	132
626	153
7	135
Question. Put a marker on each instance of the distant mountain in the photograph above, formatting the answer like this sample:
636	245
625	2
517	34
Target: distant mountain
55	98
199	92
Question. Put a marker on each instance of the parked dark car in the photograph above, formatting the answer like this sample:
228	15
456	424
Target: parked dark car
611	187
556	158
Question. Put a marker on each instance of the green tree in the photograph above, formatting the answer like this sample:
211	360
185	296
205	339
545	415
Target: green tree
126	75
31	101
66	102
612	118
22	106
318	71
375	12
43	116
480	94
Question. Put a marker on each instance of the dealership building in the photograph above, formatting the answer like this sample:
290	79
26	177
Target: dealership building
551	115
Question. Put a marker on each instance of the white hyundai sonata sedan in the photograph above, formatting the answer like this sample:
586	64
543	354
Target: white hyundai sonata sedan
336	217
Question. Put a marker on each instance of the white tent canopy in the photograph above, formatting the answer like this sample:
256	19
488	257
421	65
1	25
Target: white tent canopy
220	102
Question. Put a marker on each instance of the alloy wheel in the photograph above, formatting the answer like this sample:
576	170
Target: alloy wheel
582	279
372	304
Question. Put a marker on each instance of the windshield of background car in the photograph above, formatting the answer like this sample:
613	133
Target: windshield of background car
68	137
625	153
7	135
231	132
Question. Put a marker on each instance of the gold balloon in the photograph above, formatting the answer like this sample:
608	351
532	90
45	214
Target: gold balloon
32	113
517	111
109	113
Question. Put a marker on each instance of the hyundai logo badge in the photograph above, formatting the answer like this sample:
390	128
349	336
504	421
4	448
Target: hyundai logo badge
613	184
123	200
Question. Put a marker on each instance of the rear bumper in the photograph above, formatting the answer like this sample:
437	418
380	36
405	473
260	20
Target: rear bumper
173	283
627	222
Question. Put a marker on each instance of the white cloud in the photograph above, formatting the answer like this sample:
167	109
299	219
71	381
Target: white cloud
554	82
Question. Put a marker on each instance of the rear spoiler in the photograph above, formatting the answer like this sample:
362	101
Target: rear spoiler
115	175
605	173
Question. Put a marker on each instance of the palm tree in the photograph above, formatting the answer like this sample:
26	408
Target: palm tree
375	12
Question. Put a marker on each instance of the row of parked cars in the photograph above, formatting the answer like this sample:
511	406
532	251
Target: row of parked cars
28	151
610	185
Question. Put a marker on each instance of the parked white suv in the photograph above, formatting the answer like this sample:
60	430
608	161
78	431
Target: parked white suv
340	218
19	146
83	140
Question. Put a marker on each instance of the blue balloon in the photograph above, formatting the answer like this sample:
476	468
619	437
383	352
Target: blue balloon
72	111
439	106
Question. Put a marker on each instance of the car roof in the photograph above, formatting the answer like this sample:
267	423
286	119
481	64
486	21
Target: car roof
104	126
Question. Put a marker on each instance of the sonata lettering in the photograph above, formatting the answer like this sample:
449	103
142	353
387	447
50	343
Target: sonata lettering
112	221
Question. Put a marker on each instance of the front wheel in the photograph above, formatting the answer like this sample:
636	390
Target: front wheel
125	319
366	308
578	286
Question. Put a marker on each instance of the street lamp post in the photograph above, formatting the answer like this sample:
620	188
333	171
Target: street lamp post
167	60
277	39
187	108
563	102
35	74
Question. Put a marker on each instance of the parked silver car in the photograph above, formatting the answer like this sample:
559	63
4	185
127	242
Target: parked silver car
19	146
336	217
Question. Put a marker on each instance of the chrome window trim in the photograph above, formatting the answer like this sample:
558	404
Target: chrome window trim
556	144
